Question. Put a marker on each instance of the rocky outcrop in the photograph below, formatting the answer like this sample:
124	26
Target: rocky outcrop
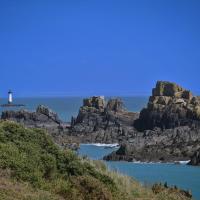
168	130
170	145
95	102
115	105
104	122
195	158
169	106
44	118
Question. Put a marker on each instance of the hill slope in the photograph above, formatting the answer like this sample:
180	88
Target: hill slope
33	167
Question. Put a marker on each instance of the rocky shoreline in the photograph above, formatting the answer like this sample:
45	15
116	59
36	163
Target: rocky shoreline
167	130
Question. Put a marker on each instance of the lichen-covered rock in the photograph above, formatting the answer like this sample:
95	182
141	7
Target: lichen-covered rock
115	105
169	106
164	88
97	102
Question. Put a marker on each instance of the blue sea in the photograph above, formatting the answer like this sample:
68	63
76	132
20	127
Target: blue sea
184	176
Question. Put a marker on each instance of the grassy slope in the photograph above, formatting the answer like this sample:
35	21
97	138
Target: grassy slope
33	167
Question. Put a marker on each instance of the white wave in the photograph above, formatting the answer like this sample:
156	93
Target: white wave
103	145
184	162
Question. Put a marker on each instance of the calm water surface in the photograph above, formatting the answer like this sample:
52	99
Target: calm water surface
184	176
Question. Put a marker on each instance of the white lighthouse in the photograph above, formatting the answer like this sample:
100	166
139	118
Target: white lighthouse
10	98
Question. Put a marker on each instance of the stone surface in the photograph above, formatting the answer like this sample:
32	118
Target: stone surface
170	145
115	105
97	102
169	106
195	158
110	123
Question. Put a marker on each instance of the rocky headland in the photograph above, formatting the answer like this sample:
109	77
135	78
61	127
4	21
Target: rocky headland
167	130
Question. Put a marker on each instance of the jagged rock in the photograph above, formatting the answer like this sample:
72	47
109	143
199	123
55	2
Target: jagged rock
48	112
170	145
170	127
42	117
95	101
164	88
169	106
115	105
109	123
195	159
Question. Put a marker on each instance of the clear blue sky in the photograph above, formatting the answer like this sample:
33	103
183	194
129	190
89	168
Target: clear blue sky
99	47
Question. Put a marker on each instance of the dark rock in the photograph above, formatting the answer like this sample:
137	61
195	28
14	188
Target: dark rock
103	122
170	145
49	113
195	158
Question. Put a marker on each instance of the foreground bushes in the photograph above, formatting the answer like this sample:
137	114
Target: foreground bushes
33	167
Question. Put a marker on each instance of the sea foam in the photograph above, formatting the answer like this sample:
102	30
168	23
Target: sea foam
103	145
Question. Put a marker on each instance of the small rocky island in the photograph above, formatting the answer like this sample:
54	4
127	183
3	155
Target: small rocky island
167	130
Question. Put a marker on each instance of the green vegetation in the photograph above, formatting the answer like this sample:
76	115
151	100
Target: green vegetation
33	167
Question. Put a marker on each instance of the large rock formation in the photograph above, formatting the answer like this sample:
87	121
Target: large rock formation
169	106
168	129
104	122
170	145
